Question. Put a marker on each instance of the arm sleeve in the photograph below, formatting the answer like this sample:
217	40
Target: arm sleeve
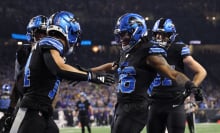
55	70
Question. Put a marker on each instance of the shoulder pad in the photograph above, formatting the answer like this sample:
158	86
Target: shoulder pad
51	43
154	48
157	50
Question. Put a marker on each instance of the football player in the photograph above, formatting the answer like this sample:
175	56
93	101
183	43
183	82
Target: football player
36	29
167	97
84	112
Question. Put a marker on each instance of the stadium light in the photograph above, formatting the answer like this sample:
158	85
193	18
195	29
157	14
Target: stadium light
95	49
146	18
19	43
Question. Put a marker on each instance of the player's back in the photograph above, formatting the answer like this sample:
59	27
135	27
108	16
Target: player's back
40	84
22	54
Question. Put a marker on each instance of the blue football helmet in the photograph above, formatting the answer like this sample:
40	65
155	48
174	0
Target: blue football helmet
65	23
167	27
6	89
132	23
36	24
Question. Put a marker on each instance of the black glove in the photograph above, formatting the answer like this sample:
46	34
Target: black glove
198	94
82	68
101	78
188	86
191	88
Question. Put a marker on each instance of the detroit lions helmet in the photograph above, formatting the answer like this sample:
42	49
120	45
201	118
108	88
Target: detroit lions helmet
65	23
167	28
36	24
132	23
6	89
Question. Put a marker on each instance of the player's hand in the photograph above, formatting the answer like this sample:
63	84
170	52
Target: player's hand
101	78
115	64
6	121
82	68
198	94
191	88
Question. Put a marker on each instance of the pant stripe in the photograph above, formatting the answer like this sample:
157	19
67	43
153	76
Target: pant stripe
18	120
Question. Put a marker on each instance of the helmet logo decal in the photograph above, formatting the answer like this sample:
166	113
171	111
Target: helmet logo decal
131	23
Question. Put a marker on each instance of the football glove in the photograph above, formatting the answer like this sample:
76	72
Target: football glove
198	94
191	88
101	78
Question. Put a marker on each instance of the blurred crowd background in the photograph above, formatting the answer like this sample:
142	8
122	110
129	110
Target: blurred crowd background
196	21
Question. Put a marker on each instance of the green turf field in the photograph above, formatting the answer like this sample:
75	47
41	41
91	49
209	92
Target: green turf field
200	128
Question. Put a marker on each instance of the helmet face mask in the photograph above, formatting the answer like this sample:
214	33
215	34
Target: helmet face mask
162	39
134	25
164	32
36	26
125	38
65	23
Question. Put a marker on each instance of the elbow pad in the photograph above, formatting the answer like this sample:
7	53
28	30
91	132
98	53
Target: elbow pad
55	70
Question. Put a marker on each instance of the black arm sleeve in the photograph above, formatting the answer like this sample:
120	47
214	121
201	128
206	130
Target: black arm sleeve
55	70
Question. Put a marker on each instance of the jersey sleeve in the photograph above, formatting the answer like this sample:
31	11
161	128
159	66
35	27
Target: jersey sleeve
51	43
185	51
